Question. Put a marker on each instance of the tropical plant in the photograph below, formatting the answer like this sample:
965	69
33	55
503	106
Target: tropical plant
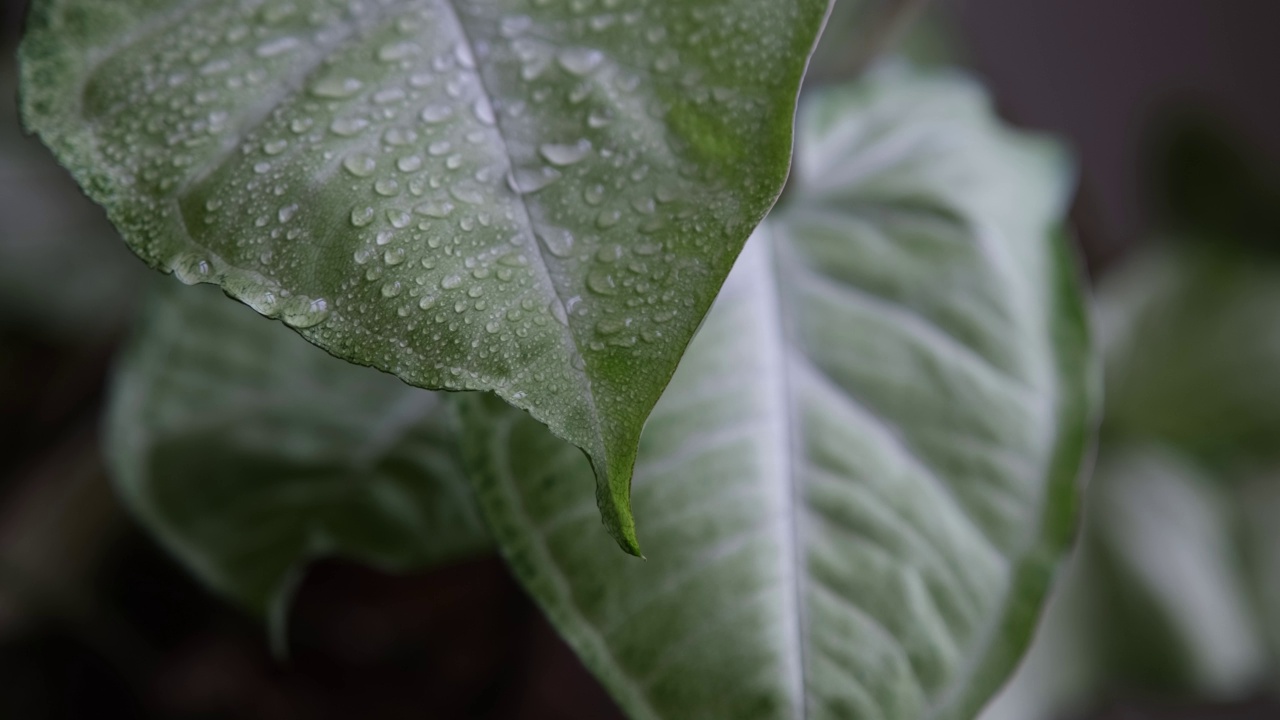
858	468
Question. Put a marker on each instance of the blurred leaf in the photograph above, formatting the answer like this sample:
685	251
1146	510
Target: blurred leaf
1258	500
863	474
1181	614
248	452
541	204
63	269
1192	345
860	31
1156	600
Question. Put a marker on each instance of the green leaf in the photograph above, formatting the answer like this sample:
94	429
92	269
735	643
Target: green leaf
62	267
1156	601
862	476
1191	352
248	453
535	198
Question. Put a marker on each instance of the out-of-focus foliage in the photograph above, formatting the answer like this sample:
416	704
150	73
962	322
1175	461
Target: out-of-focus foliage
249	452
1175	587
63	270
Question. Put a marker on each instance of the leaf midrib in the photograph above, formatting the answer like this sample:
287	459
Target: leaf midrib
545	262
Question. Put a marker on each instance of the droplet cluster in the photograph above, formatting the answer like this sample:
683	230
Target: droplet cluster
460	195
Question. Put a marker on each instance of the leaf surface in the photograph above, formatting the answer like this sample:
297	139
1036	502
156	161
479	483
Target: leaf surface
248	453
862	476
536	198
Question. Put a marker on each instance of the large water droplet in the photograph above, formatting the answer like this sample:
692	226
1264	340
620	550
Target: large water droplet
565	154
278	46
530	180
398	51
360	165
434	209
484	112
558	241
602	281
436	113
333	87
348	126
191	269
303	313
580	61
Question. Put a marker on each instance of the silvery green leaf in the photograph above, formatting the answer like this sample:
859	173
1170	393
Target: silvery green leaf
249	452
863	475
1157	598
538	198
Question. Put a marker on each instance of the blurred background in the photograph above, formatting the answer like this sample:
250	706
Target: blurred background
1170	608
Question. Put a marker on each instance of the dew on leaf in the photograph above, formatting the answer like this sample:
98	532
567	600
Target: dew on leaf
565	154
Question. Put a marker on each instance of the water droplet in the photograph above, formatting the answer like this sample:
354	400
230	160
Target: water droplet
332	87
391	289
462	53
386	187
388	96
435	209
409	163
558	241
484	112
360	165
451	282
349	126
580	61
611	326
558	312
287	212
361	216
610	253
304	314
275	147
608	218
468	195
436	113
191	269
594	194
599	117
278	46
601	281
398	51
565	154
527	180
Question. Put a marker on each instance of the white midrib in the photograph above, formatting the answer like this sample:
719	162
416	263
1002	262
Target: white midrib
783	425
545	261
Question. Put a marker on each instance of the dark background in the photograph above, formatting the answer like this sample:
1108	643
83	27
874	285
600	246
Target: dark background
1158	98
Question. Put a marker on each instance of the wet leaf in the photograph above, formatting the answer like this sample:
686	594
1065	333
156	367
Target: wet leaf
535	198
